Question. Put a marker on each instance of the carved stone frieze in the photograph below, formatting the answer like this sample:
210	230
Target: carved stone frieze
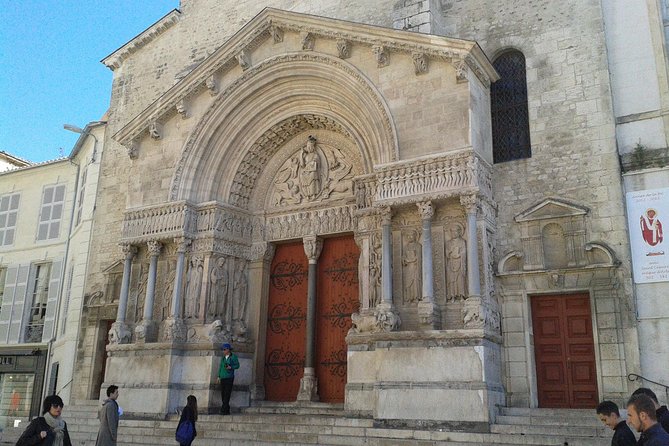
299	224
434	178
381	55
343	48
161	221
460	70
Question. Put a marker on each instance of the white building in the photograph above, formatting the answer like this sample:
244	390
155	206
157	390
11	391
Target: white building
45	227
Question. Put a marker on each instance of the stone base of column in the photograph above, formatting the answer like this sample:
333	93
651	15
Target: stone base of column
146	331
257	392
308	386
174	330
428	315
387	318
119	333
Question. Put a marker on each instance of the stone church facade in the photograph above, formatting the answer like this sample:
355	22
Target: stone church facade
316	183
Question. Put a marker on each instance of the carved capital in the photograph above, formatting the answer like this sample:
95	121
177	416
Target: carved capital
381	55
386	215
262	251
154	247
425	210
155	130
343	48
183	244
243	60
470	203
308	41
276	33
129	251
146	331
181	108
211	85
420	62
312	247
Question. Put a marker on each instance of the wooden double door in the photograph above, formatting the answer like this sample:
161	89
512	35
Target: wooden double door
564	351
336	299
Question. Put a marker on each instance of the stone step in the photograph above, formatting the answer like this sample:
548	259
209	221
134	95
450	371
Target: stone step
549	430
558	420
543	412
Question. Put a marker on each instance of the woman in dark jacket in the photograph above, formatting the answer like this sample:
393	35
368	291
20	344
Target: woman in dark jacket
189	414
49	429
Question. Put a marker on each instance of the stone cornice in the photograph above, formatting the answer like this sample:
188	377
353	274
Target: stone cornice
264	26
116	59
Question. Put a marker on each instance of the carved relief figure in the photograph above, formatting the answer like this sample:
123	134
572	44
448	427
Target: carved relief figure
456	264
313	173
310	173
141	292
166	307
218	291
239	298
194	287
375	272
411	263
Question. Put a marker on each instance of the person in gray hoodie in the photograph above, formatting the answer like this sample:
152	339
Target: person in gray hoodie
108	416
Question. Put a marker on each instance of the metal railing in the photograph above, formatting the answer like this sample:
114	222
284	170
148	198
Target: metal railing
634	377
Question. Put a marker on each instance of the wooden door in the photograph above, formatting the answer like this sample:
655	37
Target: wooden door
286	323
337	298
564	351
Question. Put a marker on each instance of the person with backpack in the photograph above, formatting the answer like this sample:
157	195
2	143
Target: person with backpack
186	431
49	429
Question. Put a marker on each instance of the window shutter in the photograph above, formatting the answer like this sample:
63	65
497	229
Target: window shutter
18	317
52	300
7	302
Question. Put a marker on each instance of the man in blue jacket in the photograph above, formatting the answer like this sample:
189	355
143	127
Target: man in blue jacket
641	416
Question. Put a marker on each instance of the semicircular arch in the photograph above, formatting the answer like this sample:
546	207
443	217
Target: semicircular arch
249	115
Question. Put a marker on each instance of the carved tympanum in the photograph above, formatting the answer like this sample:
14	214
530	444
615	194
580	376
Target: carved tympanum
314	173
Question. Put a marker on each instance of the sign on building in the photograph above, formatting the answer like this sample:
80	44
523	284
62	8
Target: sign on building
647	212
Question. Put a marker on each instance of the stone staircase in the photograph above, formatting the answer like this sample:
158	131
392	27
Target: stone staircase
319	424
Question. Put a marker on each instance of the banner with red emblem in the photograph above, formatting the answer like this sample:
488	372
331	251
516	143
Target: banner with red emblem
648	216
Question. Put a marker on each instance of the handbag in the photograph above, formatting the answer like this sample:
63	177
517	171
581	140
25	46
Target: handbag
185	432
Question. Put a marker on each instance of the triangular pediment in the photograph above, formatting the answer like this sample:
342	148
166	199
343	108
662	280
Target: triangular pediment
551	208
270	26
116	267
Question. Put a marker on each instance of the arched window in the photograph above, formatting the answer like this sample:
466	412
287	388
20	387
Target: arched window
508	107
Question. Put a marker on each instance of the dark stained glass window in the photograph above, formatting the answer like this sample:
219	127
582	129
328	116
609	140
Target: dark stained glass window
508	104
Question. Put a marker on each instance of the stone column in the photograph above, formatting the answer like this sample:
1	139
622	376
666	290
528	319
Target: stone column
426	308
472	310
309	384
259	271
119	332
387	318
174	329
147	330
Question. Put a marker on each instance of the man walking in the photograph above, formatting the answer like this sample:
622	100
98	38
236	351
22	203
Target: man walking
226	376
642	417
608	413
108	416
661	411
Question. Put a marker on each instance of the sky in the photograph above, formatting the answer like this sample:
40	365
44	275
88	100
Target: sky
50	69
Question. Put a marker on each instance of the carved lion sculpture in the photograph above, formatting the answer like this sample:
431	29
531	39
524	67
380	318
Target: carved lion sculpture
217	333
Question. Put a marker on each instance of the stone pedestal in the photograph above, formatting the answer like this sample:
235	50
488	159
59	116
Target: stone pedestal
308	386
450	378
156	378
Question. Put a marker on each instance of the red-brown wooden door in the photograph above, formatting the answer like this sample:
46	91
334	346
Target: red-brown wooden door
286	323
337	298
564	351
